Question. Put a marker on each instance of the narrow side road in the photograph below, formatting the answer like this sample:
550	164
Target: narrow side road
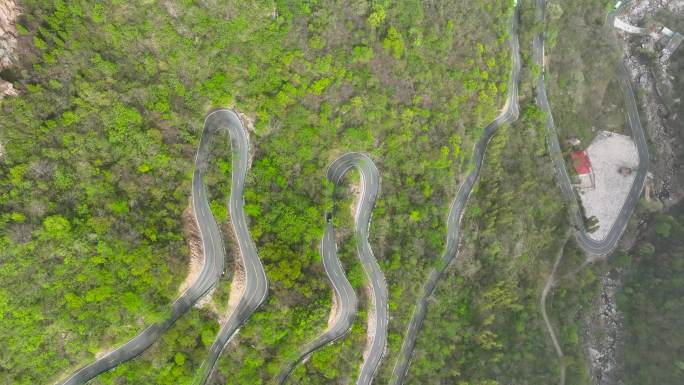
214	257
550	282
509	114
256	284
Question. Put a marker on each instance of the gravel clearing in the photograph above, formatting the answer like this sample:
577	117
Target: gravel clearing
608	153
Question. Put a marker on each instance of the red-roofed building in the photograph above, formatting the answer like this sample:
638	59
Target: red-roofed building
581	162
582	165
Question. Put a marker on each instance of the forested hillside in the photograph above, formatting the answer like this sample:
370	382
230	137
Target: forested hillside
99	150
582	82
484	323
652	302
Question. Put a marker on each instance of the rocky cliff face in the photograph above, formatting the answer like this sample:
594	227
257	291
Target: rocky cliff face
9	11
660	96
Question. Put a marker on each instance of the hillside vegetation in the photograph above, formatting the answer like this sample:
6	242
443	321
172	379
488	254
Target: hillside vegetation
100	146
581	70
652	302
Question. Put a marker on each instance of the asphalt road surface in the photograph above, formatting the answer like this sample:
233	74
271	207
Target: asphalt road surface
589	245
370	185
509	114
345	297
212	244
255	282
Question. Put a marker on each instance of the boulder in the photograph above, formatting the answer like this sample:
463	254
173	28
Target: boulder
9	11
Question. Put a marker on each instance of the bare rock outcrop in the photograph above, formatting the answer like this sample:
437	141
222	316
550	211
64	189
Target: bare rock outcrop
658	95
9	11
603	335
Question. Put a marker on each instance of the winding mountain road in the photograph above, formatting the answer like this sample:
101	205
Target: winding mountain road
256	285
509	114
589	245
255	281
592	247
344	296
212	245
370	185
345	300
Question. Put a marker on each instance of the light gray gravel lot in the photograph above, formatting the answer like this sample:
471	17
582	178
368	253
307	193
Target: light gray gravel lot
608	153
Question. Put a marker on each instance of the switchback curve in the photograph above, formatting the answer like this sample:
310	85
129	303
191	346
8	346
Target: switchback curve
589	245
256	283
370	185
344	297
214	257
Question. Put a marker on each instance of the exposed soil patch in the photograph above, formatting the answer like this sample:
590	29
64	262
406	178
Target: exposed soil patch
334	311
248	123
7	89
237	286
372	321
192	236
104	352
356	191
